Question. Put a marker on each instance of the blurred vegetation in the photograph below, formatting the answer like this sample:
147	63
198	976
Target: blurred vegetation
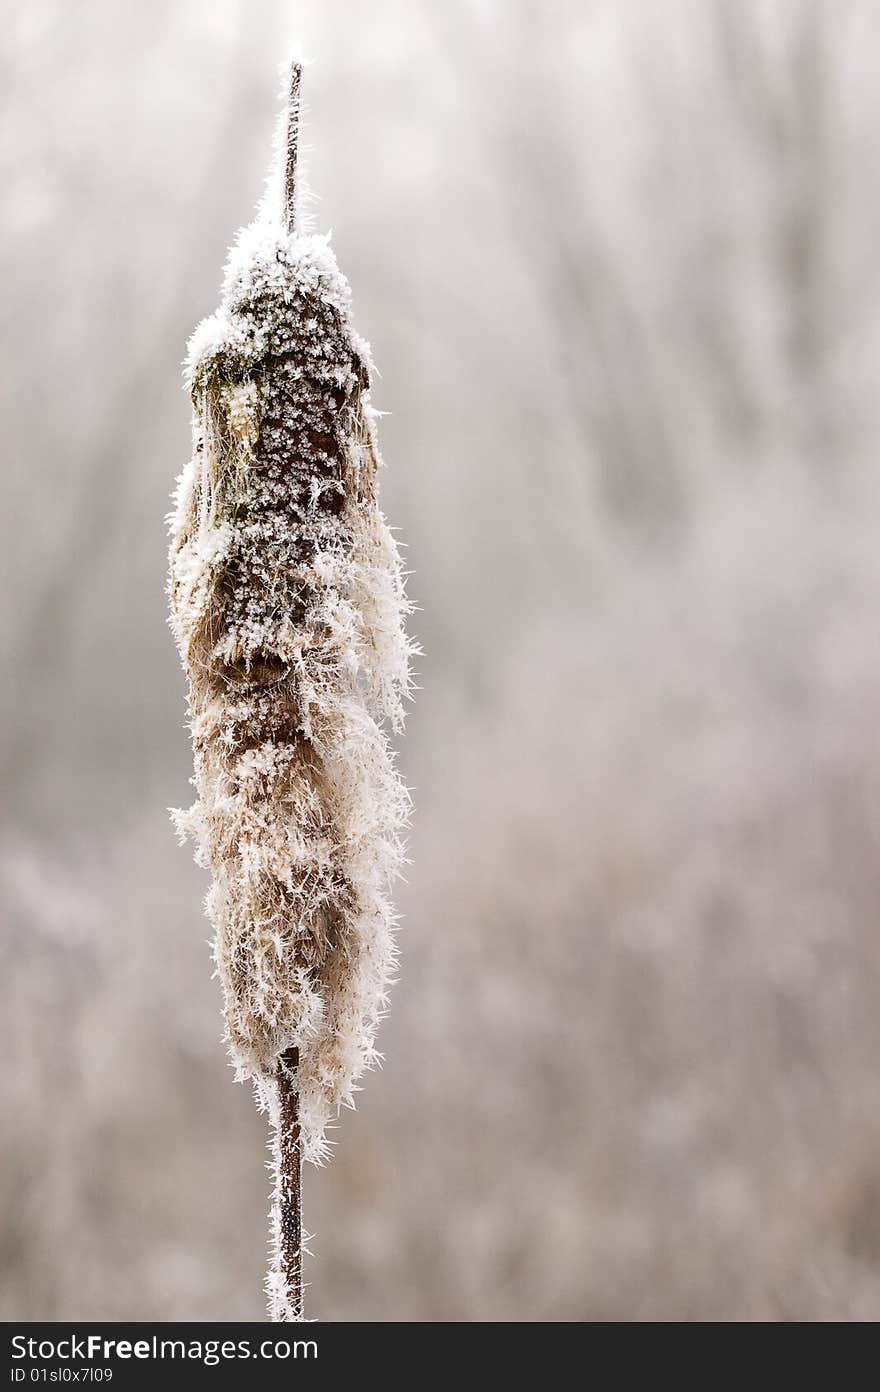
619	267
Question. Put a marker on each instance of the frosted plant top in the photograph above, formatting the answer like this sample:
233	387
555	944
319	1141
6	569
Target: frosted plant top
270	269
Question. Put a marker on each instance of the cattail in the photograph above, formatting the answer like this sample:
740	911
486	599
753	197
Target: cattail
287	603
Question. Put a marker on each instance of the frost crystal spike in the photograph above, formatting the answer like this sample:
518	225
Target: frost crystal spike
287	604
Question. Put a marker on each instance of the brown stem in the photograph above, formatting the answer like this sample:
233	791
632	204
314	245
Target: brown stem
289	1190
292	148
288	1193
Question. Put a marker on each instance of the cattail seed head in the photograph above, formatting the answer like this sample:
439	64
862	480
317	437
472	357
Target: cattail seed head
287	604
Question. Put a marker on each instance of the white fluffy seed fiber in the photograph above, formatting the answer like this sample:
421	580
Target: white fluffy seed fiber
287	603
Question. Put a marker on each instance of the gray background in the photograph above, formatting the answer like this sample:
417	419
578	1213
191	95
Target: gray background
618	263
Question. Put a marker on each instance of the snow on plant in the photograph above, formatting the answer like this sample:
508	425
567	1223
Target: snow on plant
287	603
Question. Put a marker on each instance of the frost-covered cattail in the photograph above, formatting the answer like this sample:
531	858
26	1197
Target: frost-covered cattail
287	603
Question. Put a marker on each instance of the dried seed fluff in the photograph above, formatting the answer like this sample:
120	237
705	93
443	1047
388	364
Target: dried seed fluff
287	603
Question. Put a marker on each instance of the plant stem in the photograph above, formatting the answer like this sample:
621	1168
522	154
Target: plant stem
288	1194
292	148
288	1158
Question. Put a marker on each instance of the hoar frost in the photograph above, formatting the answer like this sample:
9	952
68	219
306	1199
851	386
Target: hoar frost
287	604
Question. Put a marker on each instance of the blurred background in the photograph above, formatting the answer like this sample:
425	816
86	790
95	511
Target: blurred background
619	266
